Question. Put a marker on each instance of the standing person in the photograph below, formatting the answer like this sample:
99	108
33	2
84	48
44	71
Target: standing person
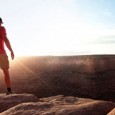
4	63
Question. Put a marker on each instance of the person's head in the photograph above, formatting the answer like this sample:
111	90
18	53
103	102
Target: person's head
1	22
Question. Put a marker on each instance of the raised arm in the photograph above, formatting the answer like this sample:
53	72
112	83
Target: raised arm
8	45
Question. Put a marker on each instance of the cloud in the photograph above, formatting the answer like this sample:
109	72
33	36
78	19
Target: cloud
107	40
90	15
108	14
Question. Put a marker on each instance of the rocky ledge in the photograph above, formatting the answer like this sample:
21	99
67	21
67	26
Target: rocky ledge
29	104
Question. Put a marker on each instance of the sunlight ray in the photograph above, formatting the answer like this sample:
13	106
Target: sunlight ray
34	74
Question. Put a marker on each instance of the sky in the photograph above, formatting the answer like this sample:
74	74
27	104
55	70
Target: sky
59	27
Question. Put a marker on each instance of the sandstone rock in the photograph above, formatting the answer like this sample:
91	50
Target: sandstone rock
8	101
61	105
112	112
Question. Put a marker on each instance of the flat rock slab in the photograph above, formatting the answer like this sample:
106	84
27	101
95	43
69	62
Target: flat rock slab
61	105
8	101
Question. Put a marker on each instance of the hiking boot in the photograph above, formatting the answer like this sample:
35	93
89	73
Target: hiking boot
9	92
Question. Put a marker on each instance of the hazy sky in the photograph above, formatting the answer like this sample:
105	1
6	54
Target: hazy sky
60	27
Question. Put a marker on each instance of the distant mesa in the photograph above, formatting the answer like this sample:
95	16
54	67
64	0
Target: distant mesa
91	76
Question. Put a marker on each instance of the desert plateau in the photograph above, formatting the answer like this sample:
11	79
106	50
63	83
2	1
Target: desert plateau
60	85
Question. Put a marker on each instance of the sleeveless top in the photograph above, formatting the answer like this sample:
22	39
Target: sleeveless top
2	31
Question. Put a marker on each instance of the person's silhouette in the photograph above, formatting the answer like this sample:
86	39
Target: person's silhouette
4	62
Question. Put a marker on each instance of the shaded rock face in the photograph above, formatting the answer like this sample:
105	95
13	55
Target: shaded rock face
112	112
8	101
59	105
82	76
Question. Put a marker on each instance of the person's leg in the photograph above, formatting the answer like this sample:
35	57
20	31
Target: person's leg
4	65
7	80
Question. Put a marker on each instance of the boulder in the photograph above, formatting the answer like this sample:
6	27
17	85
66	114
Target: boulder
112	112
61	105
8	101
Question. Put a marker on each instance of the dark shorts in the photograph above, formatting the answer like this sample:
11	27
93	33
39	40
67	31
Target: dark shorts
4	63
